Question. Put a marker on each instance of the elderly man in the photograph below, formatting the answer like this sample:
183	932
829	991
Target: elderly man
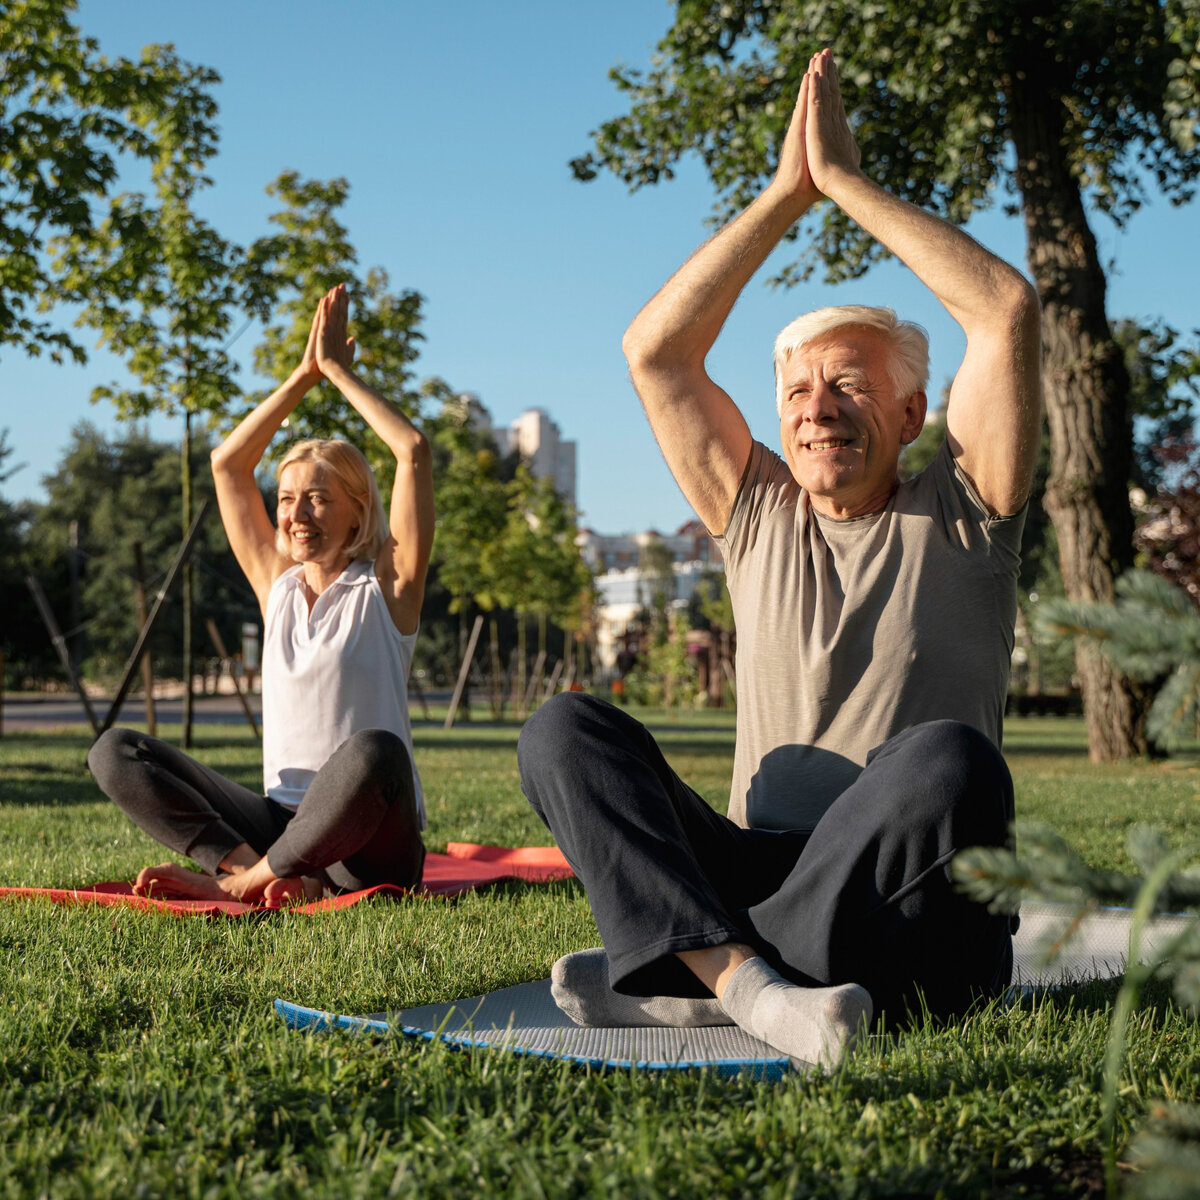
875	624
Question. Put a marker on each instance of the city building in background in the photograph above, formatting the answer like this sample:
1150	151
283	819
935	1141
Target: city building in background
534	436
629	567
627	577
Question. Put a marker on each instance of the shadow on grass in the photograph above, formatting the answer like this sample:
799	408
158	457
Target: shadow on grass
1023	748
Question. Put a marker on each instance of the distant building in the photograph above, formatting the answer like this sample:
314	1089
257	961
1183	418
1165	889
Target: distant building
690	543
542	447
532	435
625	585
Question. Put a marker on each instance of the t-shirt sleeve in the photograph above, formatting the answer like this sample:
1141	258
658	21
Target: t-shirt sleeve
767	487
963	509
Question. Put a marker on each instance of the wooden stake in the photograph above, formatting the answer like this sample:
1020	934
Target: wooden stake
139	568
534	680
215	634
131	664
414	685
60	644
463	671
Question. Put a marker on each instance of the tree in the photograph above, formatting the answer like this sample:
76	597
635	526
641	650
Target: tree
711	608
163	288
658	566
916	456
117	492
537	565
1067	106
1168	535
311	253
1151	632
24	645
470	496
67	115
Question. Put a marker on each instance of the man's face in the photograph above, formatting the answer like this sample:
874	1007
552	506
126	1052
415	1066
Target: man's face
842	424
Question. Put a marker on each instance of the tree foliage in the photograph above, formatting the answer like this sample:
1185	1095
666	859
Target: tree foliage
67	116
544	570
117	492
1151	632
932	95
471	494
160	285
25	647
1164	387
1168	535
309	253
1061	109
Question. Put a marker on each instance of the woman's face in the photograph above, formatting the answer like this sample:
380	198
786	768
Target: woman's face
316	516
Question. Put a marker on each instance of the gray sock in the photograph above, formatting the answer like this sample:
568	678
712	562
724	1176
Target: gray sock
580	987
810	1025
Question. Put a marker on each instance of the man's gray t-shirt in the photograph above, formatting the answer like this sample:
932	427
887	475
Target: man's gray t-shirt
849	632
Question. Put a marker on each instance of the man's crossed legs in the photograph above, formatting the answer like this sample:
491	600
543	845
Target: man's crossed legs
801	936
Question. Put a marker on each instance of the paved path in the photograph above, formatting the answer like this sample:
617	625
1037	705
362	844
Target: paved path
47	712
51	711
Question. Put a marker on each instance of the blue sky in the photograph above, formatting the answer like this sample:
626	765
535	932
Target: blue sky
454	123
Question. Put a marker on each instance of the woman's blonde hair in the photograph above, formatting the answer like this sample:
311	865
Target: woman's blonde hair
907	343
350	468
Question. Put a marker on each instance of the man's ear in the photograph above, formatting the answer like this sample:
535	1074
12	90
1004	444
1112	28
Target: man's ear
914	418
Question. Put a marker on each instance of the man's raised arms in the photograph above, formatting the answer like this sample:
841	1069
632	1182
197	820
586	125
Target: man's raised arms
994	413
703	436
995	404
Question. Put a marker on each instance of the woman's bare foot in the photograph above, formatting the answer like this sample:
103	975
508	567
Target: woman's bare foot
172	881
249	884
296	889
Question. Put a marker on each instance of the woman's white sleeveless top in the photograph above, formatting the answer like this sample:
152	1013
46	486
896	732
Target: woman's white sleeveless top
329	674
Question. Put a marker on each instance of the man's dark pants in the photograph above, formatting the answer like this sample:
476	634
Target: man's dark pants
866	897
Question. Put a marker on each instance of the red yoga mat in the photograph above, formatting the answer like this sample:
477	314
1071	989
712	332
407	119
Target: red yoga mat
463	867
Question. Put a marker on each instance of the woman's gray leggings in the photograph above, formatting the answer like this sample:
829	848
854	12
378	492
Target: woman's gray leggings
357	825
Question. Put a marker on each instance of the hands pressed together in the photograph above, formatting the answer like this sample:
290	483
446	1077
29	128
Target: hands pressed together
329	345
818	146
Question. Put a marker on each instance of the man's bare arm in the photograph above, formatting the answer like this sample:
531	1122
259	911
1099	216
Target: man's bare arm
703	435
994	415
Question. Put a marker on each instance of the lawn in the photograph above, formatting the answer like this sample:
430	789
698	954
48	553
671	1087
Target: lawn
139	1055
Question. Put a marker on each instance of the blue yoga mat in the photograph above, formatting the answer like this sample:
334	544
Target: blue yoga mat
525	1020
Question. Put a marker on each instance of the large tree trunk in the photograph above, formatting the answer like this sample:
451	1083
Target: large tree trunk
1087	390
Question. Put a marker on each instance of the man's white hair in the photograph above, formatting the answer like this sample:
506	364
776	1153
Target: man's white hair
907	343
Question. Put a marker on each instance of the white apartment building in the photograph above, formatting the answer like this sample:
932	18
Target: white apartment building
605	552
625	586
535	437
541	445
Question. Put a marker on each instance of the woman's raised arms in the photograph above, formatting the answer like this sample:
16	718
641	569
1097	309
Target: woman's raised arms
243	513
402	563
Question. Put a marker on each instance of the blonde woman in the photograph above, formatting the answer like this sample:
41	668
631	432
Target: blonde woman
340	584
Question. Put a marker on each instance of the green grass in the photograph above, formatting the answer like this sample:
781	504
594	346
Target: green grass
139	1055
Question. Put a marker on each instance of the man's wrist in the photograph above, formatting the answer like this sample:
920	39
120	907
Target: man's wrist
336	372
842	183
781	199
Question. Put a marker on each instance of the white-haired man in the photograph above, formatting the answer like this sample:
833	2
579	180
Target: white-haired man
875	623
